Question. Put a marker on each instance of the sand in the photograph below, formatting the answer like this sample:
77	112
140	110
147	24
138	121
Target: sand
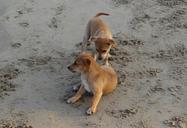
38	40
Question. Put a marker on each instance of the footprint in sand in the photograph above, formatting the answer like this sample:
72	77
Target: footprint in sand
7	73
176	122
17	120
16	45
24	24
171	3
123	113
118	3
53	23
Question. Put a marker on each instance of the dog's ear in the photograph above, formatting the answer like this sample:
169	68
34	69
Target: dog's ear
87	62
113	43
92	39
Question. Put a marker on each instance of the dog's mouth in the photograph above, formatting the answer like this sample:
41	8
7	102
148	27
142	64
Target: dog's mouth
72	71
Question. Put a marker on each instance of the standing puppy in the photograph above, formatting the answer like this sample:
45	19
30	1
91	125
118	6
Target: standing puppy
98	32
96	79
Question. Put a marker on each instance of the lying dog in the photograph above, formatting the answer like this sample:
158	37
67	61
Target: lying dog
96	79
98	32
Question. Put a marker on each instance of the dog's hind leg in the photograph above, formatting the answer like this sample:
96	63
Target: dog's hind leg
86	37
77	96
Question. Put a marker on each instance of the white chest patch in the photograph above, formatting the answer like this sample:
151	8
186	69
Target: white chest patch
85	83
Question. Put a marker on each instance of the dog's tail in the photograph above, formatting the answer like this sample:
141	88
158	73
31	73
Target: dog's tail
101	13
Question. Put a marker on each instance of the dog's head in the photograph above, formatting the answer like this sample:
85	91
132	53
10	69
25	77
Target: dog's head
81	63
103	46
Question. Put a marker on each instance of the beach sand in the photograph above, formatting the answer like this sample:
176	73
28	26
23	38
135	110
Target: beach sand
38	40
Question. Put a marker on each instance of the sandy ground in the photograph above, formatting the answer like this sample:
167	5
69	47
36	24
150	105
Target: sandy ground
38	40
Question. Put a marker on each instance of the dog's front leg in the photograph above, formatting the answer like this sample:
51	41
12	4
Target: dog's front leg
106	60
83	46
96	98
77	96
95	56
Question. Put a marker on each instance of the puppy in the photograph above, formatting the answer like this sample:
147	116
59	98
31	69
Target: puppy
98	32
96	79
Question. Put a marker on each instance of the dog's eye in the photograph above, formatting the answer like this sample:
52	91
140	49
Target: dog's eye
75	63
97	50
104	51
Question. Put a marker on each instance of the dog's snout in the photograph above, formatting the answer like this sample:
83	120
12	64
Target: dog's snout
70	68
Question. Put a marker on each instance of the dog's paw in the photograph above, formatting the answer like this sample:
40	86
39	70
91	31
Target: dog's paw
71	100
76	87
109	55
90	111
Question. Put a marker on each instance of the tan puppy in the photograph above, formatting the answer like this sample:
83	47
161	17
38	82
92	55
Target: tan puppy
98	80
97	31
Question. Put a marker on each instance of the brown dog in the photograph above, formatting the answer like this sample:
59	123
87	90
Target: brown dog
97	31
98	80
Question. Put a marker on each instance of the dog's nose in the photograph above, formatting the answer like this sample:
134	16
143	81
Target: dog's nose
99	58
68	67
